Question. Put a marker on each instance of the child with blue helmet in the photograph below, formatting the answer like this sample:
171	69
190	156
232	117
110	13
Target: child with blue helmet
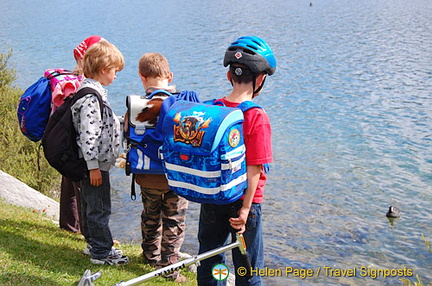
250	60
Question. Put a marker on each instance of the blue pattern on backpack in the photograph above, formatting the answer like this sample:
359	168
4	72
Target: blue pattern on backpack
34	109
204	155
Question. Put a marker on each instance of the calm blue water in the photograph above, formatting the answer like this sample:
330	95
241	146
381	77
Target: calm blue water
350	106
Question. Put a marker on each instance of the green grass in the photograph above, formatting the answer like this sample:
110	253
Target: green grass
35	251
20	157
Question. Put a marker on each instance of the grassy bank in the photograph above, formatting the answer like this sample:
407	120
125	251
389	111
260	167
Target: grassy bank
19	156
34	251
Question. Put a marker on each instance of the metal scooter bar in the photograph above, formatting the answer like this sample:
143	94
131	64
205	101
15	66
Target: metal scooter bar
187	262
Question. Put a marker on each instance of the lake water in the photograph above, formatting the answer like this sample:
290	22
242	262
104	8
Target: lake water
350	105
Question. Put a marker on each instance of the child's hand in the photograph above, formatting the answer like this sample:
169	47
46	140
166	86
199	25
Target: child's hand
95	177
239	223
121	161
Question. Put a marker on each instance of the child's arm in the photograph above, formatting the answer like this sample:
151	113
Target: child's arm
253	176
89	135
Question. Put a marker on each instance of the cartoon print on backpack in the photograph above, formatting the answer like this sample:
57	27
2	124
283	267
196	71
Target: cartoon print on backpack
189	128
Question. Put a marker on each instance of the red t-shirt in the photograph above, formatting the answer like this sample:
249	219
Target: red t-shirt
257	137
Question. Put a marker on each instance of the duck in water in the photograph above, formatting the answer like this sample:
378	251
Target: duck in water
393	212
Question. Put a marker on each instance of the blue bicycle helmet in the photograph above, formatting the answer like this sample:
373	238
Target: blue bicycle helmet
252	52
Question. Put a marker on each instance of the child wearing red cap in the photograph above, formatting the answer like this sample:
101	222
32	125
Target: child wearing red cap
80	50
98	139
70	204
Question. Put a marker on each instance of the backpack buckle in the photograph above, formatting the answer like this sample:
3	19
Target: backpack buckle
140	129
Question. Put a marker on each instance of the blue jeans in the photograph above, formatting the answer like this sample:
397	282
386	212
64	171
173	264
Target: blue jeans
96	212
214	231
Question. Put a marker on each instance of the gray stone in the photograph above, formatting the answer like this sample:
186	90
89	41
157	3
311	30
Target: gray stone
17	193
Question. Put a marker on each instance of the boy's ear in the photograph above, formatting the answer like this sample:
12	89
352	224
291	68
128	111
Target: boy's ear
228	75
170	77
260	79
143	78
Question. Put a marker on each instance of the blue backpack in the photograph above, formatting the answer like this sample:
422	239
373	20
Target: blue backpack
204	155
143	131
34	107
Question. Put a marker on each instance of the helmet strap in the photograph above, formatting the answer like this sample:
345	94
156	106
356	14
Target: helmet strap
231	81
258	90
253	85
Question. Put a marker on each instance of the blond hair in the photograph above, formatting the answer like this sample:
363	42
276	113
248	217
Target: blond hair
154	65
102	55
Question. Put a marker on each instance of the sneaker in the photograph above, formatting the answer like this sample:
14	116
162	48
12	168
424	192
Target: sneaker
114	251
86	250
110	260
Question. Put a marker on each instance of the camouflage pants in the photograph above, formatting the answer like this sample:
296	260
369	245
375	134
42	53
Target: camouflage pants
162	226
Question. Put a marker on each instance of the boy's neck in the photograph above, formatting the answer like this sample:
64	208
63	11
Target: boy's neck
151	84
169	88
240	93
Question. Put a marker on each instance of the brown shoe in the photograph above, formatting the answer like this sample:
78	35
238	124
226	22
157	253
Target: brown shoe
150	262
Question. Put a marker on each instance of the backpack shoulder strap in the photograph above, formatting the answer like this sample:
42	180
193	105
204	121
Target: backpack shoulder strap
88	90
246	105
214	102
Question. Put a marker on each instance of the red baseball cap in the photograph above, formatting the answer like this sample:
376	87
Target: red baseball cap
80	50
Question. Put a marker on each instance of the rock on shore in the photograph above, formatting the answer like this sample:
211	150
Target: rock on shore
15	192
